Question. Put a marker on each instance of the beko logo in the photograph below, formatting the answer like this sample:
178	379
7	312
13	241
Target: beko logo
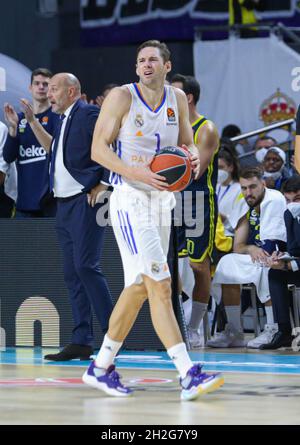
33	154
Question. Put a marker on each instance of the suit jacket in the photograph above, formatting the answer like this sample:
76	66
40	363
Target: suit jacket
77	145
293	234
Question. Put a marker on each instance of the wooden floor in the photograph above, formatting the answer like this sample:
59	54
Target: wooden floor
50	394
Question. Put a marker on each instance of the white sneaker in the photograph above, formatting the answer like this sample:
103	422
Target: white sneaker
196	340
229	338
265	337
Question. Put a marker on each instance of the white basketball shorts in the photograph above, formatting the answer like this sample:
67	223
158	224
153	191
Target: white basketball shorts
141	222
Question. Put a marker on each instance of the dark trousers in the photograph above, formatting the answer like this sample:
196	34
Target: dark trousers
278	283
6	204
81	240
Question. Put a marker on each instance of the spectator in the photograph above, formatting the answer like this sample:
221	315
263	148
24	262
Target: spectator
242	12
31	158
106	89
228	187
255	157
284	272
273	165
8	179
259	229
265	142
231	131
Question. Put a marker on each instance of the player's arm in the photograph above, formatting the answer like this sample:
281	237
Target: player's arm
186	132
240	242
207	143
241	236
113	113
44	138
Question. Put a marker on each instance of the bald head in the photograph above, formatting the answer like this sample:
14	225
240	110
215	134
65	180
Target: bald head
64	90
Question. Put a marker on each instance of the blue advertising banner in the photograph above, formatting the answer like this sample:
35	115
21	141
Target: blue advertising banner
109	22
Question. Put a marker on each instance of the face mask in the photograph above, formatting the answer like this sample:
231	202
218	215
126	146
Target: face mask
260	154
294	208
273	175
223	175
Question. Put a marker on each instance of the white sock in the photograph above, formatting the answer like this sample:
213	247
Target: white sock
269	314
107	353
234	317
180	358
198	312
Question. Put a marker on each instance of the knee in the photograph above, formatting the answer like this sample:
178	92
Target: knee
161	290
139	295
84	269
200	268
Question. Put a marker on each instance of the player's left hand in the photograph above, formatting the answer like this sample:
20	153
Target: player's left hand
95	194
195	161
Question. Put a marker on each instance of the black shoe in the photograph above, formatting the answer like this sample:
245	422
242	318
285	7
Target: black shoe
279	340
71	352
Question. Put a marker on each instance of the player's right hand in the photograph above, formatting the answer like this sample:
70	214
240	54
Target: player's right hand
145	175
11	116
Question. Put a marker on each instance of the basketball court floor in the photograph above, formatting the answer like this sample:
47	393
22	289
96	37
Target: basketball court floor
261	388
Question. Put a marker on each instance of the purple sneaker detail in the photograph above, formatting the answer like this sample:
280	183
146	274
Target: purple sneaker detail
106	380
196	383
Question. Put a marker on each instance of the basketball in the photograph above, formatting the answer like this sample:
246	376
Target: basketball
174	164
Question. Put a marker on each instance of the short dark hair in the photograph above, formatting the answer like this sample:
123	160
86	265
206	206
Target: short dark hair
178	78
109	86
265	138
292	184
230	131
41	72
252	172
163	49
190	85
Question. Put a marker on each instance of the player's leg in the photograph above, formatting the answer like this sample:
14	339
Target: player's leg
200	247
193	381
101	373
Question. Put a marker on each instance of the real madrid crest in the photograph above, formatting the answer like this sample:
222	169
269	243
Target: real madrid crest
139	121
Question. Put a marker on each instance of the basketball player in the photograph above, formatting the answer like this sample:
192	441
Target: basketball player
199	248
137	120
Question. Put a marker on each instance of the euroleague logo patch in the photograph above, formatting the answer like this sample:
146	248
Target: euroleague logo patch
171	115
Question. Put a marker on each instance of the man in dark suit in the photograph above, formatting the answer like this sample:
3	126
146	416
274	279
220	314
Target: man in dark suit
284	272
75	181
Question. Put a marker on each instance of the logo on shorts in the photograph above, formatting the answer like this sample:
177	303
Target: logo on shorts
171	115
139	121
155	268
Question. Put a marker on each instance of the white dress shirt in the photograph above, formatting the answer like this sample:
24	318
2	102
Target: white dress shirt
64	183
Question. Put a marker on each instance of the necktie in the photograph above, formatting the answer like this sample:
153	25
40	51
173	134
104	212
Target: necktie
54	150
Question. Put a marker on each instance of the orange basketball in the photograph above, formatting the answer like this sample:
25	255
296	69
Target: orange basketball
174	164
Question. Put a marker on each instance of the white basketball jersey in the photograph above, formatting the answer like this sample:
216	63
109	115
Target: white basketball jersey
145	132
